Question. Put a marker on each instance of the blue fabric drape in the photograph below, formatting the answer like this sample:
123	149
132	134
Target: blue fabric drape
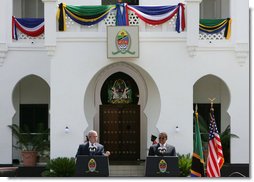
155	10
121	15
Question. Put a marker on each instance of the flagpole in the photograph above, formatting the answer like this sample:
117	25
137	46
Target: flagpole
197	166
215	159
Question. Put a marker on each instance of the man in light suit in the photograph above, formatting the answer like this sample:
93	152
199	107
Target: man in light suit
92	147
162	148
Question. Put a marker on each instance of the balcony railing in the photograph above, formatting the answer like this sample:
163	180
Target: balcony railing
167	27
110	20
214	29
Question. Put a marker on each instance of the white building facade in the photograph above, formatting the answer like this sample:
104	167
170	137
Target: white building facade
67	70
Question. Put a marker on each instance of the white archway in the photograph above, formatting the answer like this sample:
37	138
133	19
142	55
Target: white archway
144	83
211	86
31	89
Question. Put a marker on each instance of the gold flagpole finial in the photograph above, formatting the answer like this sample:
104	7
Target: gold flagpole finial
212	100
196	110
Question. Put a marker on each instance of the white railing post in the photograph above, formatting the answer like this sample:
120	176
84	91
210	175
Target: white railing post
192	17
50	9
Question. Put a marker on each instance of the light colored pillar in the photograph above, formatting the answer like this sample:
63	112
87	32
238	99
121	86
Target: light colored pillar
192	17
6	115
239	12
3	31
50	9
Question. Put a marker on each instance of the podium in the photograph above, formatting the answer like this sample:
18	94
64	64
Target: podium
162	166
92	166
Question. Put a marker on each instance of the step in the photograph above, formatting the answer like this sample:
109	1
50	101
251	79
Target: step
127	170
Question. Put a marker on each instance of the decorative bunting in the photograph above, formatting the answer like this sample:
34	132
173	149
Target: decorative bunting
84	15
156	15
29	26
90	15
212	26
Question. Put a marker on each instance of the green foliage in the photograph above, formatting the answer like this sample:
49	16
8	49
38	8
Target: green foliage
60	167
28	141
184	162
225	137
203	127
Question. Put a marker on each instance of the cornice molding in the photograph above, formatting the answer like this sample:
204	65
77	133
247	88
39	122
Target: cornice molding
3	52
242	52
50	50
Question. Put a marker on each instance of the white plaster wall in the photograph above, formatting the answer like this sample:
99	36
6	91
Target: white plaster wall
78	67
174	73
76	62
225	65
70	76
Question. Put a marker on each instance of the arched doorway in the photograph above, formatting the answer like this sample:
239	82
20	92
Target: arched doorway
31	100
148	100
120	117
211	86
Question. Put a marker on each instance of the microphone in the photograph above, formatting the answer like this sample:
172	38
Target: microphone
92	149
162	150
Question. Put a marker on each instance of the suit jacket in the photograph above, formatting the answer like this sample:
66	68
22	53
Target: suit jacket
170	150
84	149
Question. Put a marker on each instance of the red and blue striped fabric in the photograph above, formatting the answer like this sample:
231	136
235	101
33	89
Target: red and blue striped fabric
156	15
30	26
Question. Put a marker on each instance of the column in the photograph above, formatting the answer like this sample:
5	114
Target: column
192	17
3	30
50	9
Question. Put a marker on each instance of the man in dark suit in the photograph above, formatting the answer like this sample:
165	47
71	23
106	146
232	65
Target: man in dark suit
92	147
162	148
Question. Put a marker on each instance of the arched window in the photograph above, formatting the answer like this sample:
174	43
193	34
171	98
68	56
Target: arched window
213	87
28	8
119	88
214	9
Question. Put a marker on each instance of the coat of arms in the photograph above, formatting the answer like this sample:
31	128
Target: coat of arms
163	166
123	42
92	165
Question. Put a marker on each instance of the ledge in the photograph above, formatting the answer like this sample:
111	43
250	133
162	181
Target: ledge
102	36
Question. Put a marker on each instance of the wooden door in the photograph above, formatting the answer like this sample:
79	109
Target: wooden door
120	131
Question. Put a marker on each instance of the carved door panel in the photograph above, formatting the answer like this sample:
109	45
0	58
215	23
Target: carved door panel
120	131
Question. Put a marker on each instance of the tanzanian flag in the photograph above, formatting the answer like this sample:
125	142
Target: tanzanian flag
197	166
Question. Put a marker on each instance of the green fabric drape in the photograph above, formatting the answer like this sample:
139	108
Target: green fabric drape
88	12
84	15
212	26
210	22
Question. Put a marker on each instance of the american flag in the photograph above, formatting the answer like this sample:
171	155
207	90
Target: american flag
215	159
